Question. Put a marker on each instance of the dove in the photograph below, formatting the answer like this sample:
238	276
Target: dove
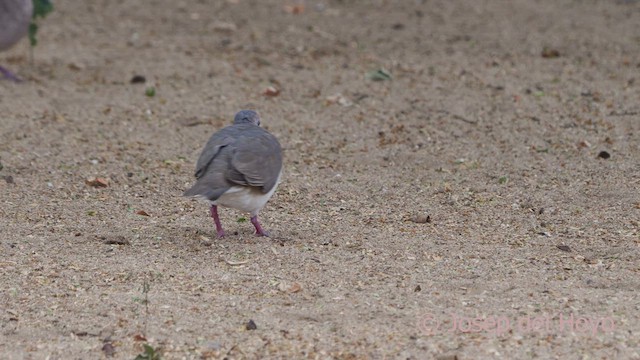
15	17
240	168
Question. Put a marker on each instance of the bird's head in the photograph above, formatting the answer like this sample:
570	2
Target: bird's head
247	117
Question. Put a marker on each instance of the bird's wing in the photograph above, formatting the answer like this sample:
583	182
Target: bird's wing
256	160
217	141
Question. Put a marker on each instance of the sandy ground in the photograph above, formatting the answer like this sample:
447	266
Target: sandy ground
465	208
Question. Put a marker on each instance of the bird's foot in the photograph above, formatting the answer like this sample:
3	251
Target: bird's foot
220	234
259	230
263	233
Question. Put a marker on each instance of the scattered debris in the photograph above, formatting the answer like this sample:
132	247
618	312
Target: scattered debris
503	179
379	75
108	349
9	179
417	289
288	287
421	219
584	144
294	288
251	325
205	240
75	67
338	99
294	9
224	27
97	182
235	263
150	91
604	155
271	91
564	248
114	240
241	220
142	212
549	53
138	79
139	337
195	121
447	357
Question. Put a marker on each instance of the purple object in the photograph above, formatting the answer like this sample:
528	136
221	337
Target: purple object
15	16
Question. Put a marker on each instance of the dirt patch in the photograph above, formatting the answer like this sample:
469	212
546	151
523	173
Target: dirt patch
444	191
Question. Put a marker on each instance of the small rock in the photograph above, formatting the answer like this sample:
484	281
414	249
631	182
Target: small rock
564	248
271	91
294	288
97	182
447	357
108	349
417	289
338	99
224	27
604	155
251	325
294	9
138	79
549	53
213	345
115	240
421	219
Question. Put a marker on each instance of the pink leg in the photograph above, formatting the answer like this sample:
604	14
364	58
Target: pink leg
216	220
9	75
259	230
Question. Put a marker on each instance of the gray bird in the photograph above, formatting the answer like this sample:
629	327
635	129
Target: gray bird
240	168
15	16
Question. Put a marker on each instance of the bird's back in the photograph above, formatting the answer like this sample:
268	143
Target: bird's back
238	155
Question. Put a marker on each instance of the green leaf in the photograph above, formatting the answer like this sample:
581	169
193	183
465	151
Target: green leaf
33	29
150	91
41	8
241	219
149	353
379	75
503	180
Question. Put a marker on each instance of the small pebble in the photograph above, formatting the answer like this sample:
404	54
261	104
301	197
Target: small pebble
421	219
138	79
